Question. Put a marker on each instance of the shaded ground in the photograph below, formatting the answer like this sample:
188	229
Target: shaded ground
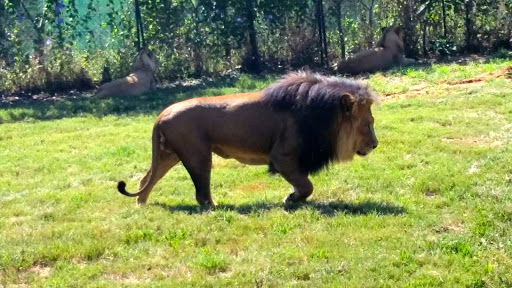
48	107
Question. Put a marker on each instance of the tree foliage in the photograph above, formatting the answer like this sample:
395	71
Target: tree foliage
60	41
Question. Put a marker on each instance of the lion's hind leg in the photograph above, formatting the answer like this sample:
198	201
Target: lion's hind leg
166	162
199	167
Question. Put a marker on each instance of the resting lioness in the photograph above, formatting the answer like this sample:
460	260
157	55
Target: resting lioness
389	52
140	80
297	126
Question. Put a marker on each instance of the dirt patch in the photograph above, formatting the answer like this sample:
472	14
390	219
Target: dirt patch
479	80
474	141
455	227
504	73
124	278
181	271
417	89
477	141
253	186
38	269
430	193
41	270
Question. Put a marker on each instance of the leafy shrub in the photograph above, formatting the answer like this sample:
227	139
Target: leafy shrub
443	47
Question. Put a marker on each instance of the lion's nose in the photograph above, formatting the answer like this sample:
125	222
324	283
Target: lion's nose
375	145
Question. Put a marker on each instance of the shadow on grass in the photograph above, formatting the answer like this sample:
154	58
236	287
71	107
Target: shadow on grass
324	208
64	106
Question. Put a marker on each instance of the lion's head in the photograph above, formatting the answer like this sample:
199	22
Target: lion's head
145	60
333	116
392	38
362	129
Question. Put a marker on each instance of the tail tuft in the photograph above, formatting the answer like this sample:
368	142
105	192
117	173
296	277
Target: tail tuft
121	187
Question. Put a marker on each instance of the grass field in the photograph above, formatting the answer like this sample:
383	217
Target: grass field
431	207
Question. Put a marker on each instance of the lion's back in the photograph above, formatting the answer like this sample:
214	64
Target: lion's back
366	61
239	120
131	85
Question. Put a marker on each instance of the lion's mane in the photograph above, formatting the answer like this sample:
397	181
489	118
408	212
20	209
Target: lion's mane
316	102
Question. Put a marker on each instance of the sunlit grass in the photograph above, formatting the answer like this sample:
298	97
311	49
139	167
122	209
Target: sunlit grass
431	207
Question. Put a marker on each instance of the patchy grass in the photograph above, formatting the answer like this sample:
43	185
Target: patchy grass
428	77
431	207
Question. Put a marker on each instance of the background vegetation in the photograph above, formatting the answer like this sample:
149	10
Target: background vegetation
55	45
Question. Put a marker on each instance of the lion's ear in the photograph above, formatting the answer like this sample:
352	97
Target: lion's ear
383	29
347	103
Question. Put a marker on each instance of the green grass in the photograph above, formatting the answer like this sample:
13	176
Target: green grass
431	207
402	79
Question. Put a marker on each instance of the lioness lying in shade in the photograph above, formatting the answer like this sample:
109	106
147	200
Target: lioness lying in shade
389	53
140	80
297	126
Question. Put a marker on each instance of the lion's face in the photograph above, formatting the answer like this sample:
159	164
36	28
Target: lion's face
365	139
145	60
391	38
356	134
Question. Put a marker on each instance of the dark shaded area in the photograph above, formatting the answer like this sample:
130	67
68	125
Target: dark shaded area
329	209
75	104
48	107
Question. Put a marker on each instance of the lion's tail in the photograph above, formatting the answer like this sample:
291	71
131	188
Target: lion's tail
155	156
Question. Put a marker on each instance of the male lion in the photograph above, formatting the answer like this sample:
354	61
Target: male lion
297	126
389	52
140	80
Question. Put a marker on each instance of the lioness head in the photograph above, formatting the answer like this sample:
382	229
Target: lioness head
392	38
145	60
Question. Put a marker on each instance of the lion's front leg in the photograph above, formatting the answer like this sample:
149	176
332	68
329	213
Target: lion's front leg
402	60
302	188
283	159
288	168
408	61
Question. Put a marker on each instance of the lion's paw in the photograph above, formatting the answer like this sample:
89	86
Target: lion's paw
293	199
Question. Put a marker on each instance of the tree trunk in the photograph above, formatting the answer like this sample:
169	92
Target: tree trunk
444	19
322	43
340	28
320	33
224	35
470	45
409	21
324	33
424	37
254	62
167	27
3	36
196	50
370	23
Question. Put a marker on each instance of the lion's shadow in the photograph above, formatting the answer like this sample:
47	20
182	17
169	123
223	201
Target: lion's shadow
324	208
